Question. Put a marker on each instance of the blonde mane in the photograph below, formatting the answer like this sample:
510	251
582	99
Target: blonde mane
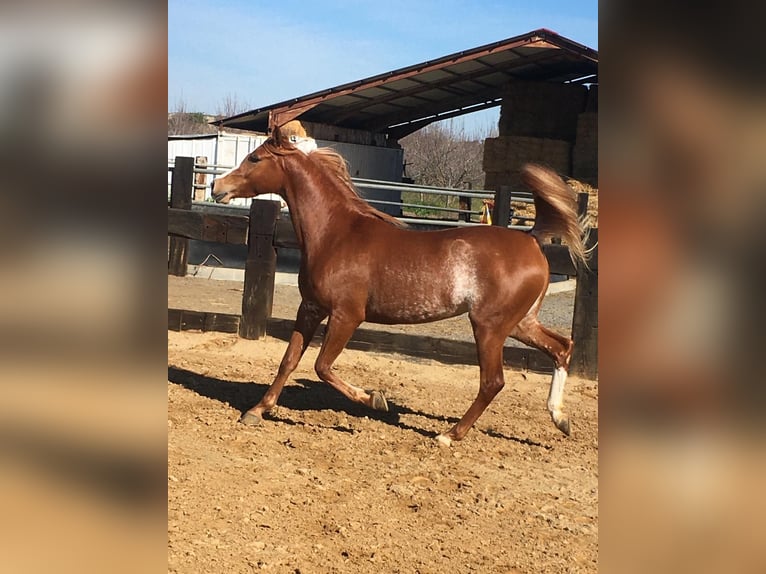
337	166
334	163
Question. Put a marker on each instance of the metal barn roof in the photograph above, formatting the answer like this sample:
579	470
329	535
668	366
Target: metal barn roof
402	101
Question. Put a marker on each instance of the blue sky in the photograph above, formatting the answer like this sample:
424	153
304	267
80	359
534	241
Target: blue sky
263	52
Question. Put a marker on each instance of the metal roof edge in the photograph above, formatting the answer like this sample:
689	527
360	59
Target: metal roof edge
192	136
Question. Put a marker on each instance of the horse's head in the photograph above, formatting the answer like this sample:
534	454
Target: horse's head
259	173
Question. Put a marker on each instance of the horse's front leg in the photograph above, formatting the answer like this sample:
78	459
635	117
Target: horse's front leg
309	317
340	327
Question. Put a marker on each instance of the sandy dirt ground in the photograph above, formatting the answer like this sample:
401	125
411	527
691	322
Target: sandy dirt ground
328	486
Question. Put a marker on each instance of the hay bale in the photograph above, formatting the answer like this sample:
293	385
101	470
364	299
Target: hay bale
591	103
542	110
585	150
494	180
504	157
333	133
509	153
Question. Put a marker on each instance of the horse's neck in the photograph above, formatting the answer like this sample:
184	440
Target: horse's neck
318	211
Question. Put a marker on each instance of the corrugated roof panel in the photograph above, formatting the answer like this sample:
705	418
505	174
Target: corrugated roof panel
470	86
403	84
499	59
408	101
497	78
435	95
466	67
374	92
433	76
382	109
343	101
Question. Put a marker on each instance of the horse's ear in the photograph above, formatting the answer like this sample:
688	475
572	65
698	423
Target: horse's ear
276	135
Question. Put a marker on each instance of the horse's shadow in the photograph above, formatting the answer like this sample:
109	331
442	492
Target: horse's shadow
311	395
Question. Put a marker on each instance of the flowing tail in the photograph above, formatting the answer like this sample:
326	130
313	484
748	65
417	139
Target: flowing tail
555	210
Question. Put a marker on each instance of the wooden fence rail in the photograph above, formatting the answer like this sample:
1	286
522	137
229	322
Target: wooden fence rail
264	230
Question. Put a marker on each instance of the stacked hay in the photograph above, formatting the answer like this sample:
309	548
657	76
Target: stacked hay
538	124
552	124
582	187
585	151
334	133
505	155
521	212
591	104
542	110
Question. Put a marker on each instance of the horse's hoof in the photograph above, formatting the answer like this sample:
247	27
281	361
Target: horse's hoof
443	440
378	401
563	425
250	419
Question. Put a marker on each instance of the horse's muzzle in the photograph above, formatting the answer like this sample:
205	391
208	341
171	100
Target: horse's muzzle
218	197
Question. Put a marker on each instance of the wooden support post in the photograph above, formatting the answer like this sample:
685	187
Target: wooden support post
260	270
501	214
200	178
464	203
584	361
582	204
180	198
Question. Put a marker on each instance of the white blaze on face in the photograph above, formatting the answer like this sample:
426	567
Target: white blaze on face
223	175
306	145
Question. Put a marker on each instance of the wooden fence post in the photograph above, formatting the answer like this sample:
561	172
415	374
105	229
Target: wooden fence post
501	214
200	178
582	204
584	361
260	270
181	187
464	203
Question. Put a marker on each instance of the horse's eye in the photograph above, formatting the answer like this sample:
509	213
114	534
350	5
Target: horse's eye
253	158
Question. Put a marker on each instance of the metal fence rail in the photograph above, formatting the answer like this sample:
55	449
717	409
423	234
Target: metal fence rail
408	187
454	223
517	196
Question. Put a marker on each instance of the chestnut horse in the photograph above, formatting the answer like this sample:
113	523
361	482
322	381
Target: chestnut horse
359	264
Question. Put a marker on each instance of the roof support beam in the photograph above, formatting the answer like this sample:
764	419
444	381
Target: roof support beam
402	130
433	108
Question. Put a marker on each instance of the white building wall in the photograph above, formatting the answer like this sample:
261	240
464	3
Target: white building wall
227	150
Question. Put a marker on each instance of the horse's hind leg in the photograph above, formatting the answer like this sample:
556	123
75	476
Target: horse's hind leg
306	323
559	348
339	331
489	346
